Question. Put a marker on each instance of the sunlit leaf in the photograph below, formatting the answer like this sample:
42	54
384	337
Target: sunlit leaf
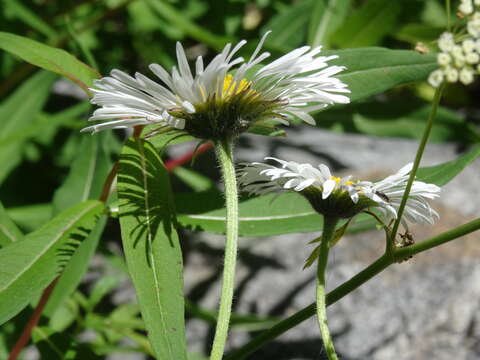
151	246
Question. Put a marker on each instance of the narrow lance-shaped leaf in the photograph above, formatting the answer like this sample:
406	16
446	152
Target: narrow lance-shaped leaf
85	181
327	16
28	266
151	246
9	232
18	113
49	58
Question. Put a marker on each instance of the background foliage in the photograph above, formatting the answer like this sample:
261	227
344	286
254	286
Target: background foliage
51	171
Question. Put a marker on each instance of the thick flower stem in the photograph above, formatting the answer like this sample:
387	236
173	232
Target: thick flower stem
225	158
328	232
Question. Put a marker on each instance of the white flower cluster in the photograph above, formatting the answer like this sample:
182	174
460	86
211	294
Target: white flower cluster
259	178
460	60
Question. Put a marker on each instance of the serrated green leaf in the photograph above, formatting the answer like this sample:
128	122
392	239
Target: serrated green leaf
369	24
49	58
327	16
17	113
9	232
442	174
30	265
373	70
151	246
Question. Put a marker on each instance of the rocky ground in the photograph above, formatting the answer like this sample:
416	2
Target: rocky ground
426	308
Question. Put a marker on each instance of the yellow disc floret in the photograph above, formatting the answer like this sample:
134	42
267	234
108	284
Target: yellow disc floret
231	87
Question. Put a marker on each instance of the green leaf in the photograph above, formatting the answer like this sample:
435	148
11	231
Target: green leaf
259	216
49	58
414	33
9	232
327	16
373	70
30	217
397	118
196	181
30	265
180	21
289	26
442	174
17	113
23	13
85	181
369	24
87	174
151	246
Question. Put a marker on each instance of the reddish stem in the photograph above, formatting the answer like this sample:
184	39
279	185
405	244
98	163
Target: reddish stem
173	163
32	322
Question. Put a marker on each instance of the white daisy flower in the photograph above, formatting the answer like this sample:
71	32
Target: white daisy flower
342	197
220	99
388	194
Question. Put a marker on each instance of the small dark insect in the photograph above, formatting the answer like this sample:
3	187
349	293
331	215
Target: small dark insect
382	195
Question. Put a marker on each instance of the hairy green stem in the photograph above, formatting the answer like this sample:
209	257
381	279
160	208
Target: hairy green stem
329	225
350	285
224	151
418	157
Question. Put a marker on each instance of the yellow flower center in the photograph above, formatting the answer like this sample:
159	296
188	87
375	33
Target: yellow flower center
231	87
337	180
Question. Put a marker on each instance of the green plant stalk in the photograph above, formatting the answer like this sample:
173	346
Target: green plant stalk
224	151
329	225
350	285
418	158
448	7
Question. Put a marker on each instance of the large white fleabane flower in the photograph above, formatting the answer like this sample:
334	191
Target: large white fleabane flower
219	99
342	197
388	194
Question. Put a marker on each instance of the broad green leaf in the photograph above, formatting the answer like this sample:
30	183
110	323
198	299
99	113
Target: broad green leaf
14	8
30	217
151	246
85	181
442	174
28	266
373	70
9	232
369	24
327	16
259	216
49	58
17	113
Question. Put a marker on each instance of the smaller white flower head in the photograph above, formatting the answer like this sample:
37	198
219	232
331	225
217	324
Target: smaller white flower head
466	76
386	195
259	178
473	28
446	42
466	7
451	74
472	58
436	78
468	45
444	59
